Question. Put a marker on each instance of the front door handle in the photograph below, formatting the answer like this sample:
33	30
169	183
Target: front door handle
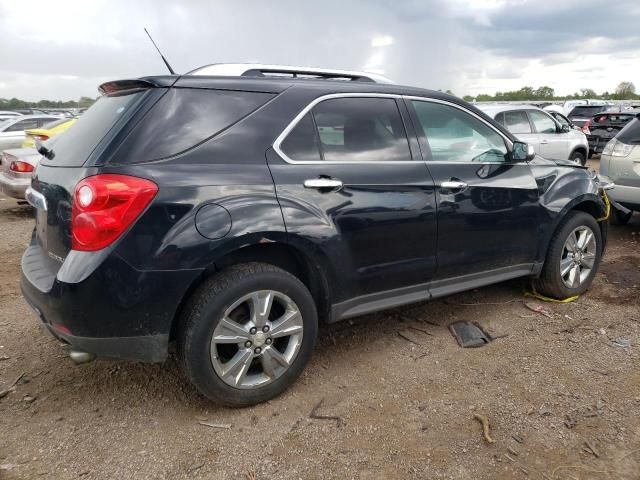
322	183
544	142
453	185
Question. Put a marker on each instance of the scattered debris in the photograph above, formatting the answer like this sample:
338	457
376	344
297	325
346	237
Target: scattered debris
512	451
517	438
538	308
251	475
408	336
216	425
570	420
485	427
591	449
28	399
4	357
11	387
422	330
622	342
316	416
468	334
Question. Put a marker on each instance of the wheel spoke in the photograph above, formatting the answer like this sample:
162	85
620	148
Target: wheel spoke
585	239
289	324
261	303
571	243
270	359
229	331
236	368
565	265
588	259
574	277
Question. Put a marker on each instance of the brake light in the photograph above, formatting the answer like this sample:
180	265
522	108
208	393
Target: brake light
20	167
104	206
42	138
585	127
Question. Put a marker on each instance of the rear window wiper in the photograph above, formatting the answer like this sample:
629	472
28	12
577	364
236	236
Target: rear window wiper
42	150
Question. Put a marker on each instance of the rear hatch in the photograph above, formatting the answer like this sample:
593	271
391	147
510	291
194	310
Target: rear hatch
582	113
603	127
73	155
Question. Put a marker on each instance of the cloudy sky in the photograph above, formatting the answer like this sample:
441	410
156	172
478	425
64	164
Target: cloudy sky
63	49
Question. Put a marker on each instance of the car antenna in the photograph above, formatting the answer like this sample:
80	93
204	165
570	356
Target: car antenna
163	59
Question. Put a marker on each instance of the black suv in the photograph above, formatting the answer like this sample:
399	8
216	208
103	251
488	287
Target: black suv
231	215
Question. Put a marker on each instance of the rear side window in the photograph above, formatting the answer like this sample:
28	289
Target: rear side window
185	117
517	122
630	134
350	130
74	147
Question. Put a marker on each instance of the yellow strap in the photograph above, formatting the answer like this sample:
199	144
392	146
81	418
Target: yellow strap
535	294
607	207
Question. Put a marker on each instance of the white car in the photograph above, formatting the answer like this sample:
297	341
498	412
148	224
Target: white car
548	137
12	129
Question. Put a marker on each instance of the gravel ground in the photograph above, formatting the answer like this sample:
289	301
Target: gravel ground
562	399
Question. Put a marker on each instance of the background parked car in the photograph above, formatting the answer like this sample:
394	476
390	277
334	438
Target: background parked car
539	129
581	114
45	133
561	119
12	130
620	164
16	168
605	126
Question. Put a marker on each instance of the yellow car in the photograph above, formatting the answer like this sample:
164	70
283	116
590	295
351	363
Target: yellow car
49	130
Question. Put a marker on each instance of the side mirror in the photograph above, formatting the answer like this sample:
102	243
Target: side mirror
522	152
565	129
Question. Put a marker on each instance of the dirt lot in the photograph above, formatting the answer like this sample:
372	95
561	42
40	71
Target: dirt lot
563	400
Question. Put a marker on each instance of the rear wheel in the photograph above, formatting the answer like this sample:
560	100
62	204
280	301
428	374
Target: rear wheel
578	157
573	257
247	334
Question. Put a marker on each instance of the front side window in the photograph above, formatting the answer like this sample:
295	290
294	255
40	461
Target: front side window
456	136
350	130
542	122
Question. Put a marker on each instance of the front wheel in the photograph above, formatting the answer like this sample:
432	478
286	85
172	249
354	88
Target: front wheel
573	257
247	334
578	157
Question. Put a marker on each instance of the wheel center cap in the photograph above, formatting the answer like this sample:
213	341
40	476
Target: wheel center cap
259	339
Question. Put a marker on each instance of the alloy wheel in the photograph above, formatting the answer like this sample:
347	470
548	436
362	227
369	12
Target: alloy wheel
578	256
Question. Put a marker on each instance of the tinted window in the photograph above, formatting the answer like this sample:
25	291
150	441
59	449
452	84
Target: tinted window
361	129
517	122
543	122
457	136
302	143
630	134
23	125
74	147
588	111
185	117
49	124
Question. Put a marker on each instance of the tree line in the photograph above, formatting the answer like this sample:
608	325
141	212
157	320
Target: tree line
624	91
17	104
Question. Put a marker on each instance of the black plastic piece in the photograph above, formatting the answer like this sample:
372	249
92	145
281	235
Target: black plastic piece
468	335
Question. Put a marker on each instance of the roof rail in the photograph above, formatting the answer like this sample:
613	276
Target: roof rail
286	71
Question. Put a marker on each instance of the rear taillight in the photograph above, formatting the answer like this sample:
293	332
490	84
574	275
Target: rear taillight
104	206
585	127
42	138
20	167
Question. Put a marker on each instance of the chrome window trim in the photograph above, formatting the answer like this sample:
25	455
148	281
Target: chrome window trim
316	101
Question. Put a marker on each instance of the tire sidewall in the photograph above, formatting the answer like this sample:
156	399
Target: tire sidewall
209	315
578	157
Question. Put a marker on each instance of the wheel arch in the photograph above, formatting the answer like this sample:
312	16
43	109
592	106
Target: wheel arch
309	268
582	149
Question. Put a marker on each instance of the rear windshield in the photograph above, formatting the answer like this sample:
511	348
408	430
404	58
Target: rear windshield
76	144
586	111
184	118
613	118
630	134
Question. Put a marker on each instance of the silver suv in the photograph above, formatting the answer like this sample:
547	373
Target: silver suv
546	135
620	164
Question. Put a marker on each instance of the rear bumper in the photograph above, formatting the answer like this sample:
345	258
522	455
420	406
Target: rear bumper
625	195
115	312
14	187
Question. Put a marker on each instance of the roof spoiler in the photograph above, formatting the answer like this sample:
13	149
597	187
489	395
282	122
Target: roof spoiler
137	83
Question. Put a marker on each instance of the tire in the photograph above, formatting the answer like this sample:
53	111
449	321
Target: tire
578	157
551	283
204	358
619	218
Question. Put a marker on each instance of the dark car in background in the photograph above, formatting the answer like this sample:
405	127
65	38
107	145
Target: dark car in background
582	114
231	215
604	126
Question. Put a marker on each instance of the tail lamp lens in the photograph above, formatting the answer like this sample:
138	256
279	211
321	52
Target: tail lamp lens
104	206
585	127
20	167
42	138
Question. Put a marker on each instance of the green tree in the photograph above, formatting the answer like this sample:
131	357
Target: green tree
468	98
588	93
625	91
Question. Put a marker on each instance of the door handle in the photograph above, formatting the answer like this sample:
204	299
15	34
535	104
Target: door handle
453	185
544	142
320	183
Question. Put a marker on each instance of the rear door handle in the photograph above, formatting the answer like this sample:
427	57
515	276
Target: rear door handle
320	183
453	185
544	142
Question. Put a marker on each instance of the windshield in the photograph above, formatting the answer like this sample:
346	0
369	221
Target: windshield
74	147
